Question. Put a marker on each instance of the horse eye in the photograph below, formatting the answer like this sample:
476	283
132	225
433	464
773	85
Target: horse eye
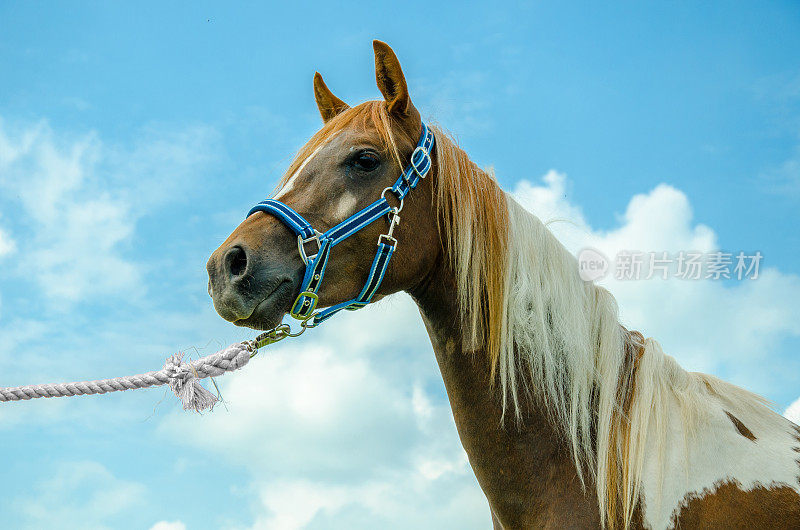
366	161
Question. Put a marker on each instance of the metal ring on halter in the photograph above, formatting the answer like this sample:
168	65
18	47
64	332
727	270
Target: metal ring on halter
305	323
279	333
383	195
303	327
301	246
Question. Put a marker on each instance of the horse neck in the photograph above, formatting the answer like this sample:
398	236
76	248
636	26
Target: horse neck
526	469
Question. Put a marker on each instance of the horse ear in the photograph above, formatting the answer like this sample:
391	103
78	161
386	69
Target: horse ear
390	79
328	104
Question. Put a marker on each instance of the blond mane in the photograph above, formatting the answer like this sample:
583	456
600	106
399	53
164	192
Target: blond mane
553	337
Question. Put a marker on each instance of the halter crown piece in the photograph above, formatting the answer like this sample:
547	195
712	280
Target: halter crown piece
306	302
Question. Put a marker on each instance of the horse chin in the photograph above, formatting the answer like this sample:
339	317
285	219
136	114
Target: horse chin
270	311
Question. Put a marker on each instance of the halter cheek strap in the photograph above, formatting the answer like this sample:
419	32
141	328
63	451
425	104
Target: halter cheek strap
306	302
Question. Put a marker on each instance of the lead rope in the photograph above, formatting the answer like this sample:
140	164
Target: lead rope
182	377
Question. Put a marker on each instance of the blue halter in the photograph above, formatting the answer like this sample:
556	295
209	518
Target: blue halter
306	301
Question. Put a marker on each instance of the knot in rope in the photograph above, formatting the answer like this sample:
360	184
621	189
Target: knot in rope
182	377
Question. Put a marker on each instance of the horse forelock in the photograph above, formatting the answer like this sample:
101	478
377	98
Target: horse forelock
368	116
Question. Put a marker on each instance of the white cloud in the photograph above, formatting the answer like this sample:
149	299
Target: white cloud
345	421
80	495
659	220
326	394
80	199
168	525
792	412
727	329
323	399
294	505
405	500
549	202
7	245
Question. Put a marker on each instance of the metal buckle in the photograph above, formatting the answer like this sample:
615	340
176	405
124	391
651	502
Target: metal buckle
301	246
311	303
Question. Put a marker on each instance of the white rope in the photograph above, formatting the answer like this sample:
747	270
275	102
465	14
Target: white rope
182	377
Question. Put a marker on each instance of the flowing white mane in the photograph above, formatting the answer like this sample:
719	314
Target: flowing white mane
553	337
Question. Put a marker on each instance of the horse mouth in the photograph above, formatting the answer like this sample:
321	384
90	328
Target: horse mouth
270	311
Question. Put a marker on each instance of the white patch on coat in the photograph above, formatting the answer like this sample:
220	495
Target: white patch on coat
695	464
346	205
290	183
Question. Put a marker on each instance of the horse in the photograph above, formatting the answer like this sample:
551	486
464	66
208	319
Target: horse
569	420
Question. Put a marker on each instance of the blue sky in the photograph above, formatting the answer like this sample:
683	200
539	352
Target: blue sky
134	137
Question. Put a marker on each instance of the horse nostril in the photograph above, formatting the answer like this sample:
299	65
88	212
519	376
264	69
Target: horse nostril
236	261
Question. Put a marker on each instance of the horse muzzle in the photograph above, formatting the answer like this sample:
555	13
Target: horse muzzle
248	291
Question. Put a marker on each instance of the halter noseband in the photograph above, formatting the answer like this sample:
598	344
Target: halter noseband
305	303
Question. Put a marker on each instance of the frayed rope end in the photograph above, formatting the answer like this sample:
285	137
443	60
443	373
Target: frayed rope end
186	385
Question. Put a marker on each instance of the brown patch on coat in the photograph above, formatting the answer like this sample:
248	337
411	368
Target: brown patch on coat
741	427
728	506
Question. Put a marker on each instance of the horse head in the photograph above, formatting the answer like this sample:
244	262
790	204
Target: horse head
360	155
